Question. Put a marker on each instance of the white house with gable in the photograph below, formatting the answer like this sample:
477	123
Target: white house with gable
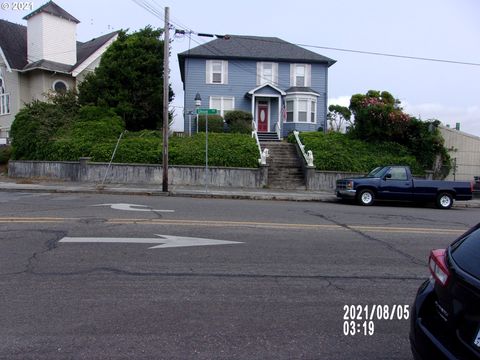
43	56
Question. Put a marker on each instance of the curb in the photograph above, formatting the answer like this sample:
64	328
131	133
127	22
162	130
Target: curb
314	197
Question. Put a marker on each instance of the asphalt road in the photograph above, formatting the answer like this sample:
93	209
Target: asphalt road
281	292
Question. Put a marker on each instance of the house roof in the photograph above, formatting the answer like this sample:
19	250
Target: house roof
49	66
300	89
253	48
13	42
53	9
84	50
275	88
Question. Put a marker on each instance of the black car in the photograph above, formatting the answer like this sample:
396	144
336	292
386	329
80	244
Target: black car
445	319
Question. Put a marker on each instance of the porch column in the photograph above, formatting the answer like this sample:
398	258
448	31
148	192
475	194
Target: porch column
253	113
279	121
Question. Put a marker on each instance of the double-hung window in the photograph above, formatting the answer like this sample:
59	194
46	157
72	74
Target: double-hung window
223	104
300	75
267	73
217	72
290	108
302	110
4	97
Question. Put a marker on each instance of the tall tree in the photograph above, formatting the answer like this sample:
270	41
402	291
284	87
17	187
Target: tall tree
130	79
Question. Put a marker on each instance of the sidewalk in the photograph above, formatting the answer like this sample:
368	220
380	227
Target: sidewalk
35	185
49	186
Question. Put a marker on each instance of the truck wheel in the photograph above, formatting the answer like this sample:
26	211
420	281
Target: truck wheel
444	201
366	197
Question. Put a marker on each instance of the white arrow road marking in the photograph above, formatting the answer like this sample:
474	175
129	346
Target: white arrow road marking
166	241
133	207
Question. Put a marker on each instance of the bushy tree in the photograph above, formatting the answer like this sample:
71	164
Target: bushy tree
379	118
130	79
37	124
378	115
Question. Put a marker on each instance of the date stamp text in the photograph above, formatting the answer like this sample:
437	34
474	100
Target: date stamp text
360	319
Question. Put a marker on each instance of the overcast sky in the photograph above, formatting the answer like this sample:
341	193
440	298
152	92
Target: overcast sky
436	29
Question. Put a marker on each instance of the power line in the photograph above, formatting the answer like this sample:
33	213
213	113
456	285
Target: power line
392	55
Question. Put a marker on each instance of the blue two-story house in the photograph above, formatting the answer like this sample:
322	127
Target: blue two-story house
283	85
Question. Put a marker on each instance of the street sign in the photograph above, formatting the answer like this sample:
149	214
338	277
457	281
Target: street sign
207	111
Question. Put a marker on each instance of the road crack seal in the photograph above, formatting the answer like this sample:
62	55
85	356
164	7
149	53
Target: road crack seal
50	245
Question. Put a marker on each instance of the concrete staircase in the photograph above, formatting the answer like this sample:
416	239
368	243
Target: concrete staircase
285	170
267	137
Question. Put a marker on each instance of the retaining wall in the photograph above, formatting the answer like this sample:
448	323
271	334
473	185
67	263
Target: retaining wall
86	171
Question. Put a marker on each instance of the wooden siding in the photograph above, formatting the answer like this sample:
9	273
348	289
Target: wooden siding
242	77
51	38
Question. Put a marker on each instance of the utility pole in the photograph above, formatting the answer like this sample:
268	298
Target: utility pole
166	71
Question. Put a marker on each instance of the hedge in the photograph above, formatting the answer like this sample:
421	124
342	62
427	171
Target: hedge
44	131
231	150
215	123
239	121
338	152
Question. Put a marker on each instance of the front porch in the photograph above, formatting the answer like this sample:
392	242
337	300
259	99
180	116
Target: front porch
267	112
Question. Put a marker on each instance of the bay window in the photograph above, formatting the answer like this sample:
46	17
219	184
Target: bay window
301	108
290	107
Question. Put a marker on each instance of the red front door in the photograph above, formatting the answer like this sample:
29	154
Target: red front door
262	117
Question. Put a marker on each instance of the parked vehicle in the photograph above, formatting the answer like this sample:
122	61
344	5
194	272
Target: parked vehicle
445	318
397	183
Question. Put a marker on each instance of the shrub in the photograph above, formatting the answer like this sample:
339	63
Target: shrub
232	150
130	150
215	123
239	121
337	152
44	131
5	152
93	126
35	126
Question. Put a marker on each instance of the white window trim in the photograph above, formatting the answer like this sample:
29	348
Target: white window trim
309	99
209	72
222	103
308	75
5	104
58	81
260	73
4	97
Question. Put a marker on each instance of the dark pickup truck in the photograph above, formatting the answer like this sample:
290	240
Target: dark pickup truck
397	183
